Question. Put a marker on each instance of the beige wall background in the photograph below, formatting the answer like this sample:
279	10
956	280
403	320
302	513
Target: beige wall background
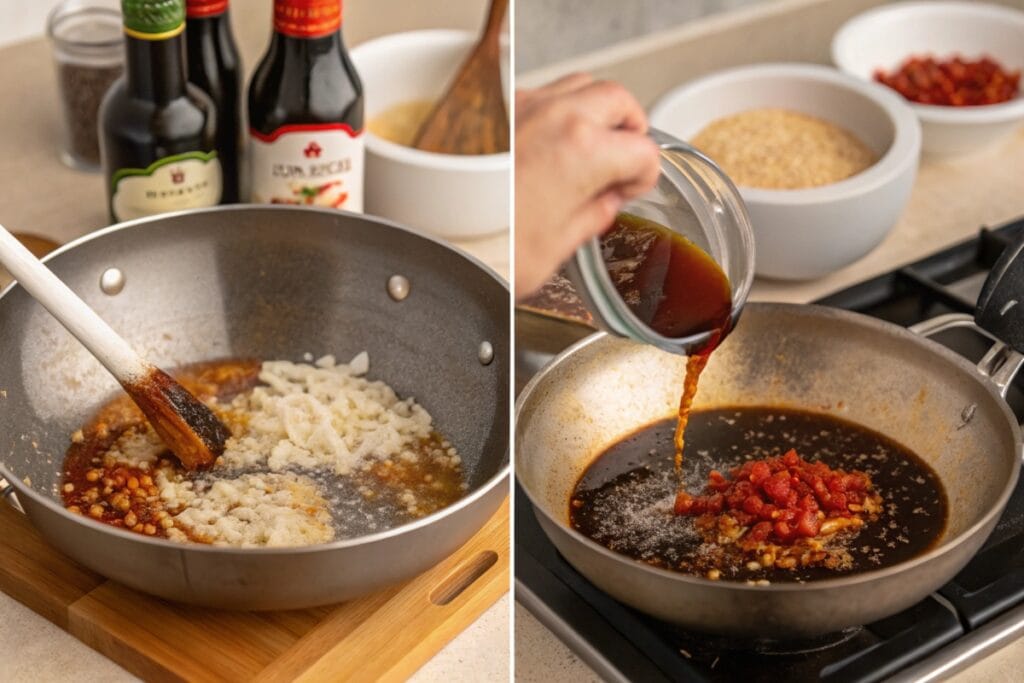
551	30
24	19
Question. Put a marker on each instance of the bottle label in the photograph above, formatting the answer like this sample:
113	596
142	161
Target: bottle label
182	181
307	18
309	164
200	9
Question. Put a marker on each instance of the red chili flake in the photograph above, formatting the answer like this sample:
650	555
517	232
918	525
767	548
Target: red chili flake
954	82
782	499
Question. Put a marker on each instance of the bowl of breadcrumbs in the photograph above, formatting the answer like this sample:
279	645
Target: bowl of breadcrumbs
825	162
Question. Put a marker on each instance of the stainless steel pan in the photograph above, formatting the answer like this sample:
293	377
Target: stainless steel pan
895	381
265	282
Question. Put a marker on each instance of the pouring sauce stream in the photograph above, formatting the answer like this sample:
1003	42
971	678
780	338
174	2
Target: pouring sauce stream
675	288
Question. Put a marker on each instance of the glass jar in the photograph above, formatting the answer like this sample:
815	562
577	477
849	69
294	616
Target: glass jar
694	198
88	50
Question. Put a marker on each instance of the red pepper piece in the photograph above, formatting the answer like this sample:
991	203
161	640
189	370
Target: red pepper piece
783	531
777	486
717	482
791	459
759	471
683	504
808	524
742	518
753	505
760	532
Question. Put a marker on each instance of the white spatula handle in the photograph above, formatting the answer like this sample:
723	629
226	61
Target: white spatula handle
73	313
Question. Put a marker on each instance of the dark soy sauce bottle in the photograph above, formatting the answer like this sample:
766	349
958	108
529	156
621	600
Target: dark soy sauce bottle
215	67
157	131
306	112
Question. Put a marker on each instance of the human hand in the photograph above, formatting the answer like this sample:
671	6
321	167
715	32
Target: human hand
582	152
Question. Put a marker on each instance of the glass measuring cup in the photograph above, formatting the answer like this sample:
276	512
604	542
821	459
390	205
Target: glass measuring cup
692	198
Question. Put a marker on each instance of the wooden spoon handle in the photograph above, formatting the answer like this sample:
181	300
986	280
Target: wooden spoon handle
495	18
73	313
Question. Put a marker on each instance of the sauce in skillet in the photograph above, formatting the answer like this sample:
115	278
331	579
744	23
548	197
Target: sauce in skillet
99	481
624	498
675	288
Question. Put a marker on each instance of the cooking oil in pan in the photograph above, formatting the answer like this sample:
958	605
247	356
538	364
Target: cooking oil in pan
624	498
378	495
391	492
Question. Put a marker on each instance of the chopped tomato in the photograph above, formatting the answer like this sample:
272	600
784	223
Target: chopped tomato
684	503
760	532
784	498
808	524
759	472
717	482
783	531
777	486
752	505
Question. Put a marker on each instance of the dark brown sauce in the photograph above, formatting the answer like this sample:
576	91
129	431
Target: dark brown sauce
675	288
624	498
669	283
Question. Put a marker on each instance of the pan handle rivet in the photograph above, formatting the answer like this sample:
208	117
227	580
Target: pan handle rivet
112	281
485	353
398	287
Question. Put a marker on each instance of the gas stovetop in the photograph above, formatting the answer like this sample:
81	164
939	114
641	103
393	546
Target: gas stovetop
981	610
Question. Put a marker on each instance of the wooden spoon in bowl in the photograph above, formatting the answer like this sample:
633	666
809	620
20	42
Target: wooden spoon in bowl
189	429
471	117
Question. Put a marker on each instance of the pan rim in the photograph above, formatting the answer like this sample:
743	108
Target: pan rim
284	208
822	584
484	489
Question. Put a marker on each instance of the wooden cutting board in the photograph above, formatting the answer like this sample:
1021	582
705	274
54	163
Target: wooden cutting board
384	636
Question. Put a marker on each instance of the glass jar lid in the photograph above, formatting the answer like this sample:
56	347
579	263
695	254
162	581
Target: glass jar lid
87	29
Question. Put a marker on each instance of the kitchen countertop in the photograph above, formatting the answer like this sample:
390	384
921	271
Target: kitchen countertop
951	200
43	197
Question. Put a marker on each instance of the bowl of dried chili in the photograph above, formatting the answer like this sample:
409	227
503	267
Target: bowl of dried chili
958	65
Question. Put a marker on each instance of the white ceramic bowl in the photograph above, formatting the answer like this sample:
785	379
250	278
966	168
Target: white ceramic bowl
884	37
452	196
808	233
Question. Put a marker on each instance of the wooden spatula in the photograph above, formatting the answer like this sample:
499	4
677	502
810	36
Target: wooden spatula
471	117
188	428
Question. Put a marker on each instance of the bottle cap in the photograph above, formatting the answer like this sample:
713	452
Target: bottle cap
307	18
153	19
199	9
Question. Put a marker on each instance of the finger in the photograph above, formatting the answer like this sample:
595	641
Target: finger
565	84
626	162
648	169
591	220
609	105
526	97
